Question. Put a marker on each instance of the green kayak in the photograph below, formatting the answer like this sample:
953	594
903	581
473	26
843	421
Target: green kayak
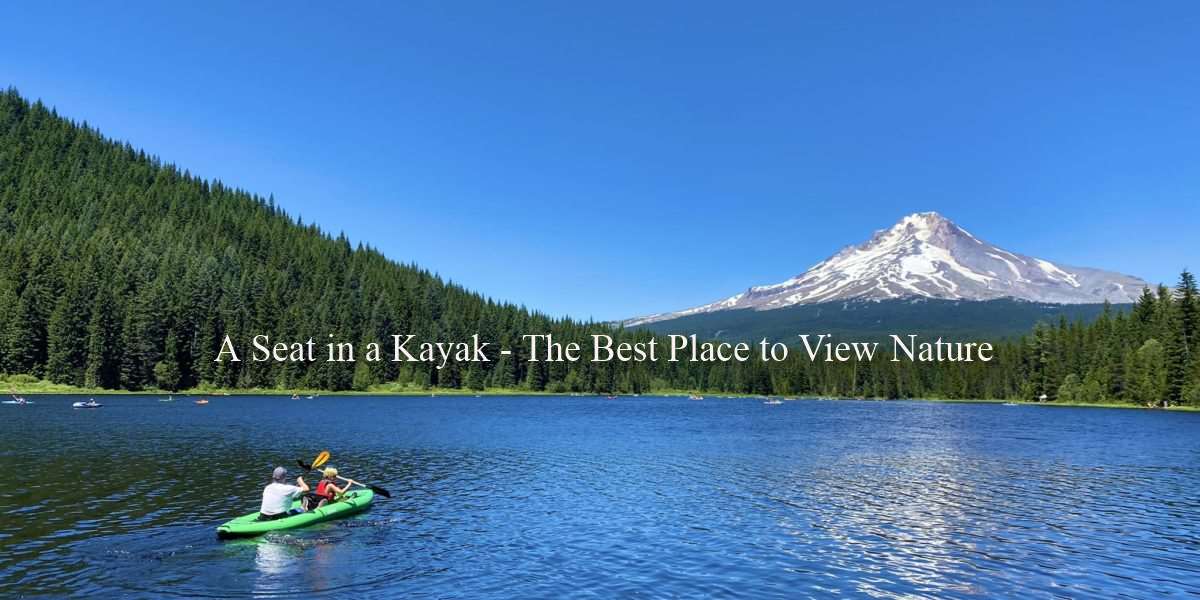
249	525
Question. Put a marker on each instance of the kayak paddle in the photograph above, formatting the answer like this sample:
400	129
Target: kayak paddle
373	488
323	457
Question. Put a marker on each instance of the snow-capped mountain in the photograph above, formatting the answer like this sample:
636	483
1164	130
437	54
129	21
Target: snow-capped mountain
925	255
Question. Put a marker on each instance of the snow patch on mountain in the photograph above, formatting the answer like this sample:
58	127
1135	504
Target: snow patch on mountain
925	255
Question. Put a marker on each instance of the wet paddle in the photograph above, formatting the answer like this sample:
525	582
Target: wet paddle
323	457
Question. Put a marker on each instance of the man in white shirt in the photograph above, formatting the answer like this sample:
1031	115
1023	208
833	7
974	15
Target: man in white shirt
278	496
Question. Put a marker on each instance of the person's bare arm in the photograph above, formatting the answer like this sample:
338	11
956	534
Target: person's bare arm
303	484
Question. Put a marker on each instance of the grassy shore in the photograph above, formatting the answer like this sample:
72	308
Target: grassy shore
24	384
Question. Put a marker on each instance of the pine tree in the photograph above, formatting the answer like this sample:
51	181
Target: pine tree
167	374
23	338
102	367
66	335
1148	374
535	378
8	311
1184	367
1144	311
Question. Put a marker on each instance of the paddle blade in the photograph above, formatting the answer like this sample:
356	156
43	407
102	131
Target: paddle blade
304	465
320	459
380	491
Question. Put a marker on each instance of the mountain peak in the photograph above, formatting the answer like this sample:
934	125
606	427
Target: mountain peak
927	219
926	255
928	227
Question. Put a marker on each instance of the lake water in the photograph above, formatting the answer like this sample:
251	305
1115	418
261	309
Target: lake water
550	497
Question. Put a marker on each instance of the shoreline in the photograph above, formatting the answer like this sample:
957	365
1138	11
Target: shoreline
45	388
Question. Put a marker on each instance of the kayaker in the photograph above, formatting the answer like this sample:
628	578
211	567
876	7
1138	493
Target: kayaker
278	496
327	490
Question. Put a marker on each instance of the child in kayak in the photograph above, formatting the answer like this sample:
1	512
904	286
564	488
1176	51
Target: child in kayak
278	496
327	490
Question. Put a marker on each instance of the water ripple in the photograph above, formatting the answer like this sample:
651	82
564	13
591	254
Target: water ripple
582	497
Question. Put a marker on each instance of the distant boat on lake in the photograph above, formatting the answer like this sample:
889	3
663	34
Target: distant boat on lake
202	401
695	397
91	403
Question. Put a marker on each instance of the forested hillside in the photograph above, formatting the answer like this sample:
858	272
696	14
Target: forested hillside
955	319
120	271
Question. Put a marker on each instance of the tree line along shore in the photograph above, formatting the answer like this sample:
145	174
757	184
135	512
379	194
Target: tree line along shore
121	272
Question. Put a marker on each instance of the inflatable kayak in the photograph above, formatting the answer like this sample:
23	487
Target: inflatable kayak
249	525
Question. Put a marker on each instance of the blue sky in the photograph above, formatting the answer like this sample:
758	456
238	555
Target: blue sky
615	159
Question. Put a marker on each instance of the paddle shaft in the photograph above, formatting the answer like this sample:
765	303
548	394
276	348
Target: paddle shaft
350	481
374	488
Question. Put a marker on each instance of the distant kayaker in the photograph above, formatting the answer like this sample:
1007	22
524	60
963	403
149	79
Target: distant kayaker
327	490
278	496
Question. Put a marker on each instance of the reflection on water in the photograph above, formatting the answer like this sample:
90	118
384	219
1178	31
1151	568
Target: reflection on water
273	558
546	497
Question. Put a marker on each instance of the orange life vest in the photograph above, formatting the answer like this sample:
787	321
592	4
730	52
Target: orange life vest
323	489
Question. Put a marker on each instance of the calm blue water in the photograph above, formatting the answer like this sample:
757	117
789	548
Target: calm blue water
550	497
